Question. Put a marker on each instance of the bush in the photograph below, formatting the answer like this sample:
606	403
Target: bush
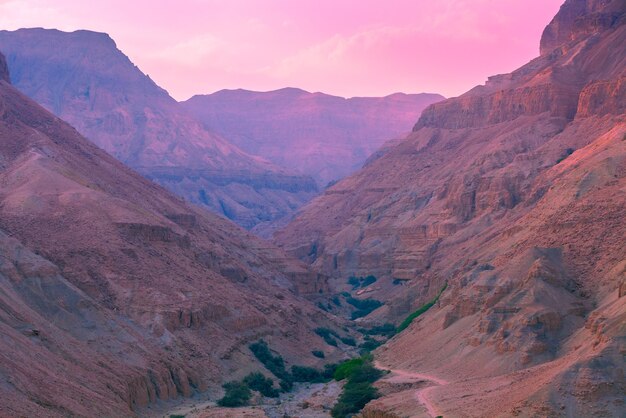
264	385
345	369
387	330
357	282
274	364
237	394
306	374
329	371
318	353
358	391
327	334
369	344
348	341
421	310
364	307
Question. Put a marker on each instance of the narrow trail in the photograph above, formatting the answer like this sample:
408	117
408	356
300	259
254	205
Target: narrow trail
422	394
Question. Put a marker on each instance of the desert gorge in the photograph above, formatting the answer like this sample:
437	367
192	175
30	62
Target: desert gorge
245	246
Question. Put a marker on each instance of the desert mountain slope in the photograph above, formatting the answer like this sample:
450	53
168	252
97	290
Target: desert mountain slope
325	136
84	79
514	194
114	293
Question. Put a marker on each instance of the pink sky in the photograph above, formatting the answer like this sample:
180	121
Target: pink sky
343	47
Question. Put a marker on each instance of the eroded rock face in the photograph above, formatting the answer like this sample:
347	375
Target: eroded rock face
114	293
514	194
83	78
579	19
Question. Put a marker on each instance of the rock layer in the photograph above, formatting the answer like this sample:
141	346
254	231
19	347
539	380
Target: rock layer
513	194
114	293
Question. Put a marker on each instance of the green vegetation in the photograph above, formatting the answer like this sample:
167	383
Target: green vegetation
388	330
364	306
237	394
177	416
358	390
420	310
369	345
348	341
307	374
327	334
346	368
263	385
274	364
318	353
361	282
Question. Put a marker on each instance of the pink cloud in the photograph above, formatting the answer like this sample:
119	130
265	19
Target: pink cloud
348	47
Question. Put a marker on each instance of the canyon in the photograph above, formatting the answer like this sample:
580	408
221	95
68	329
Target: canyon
483	250
512	195
114	293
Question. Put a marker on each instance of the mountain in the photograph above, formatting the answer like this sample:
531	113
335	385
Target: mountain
84	79
114	293
316	134
514	194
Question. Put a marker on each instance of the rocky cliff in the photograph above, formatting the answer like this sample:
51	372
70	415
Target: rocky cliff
316	134
513	194
83	78
115	294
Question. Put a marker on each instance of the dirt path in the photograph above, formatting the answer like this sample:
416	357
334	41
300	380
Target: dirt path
422	394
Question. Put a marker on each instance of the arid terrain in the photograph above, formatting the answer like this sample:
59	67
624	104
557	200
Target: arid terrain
116	294
473	268
514	195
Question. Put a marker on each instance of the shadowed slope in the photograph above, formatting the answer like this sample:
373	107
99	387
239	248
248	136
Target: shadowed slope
113	292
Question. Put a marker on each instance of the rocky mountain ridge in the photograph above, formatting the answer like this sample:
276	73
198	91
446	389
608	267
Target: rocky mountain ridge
513	194
114	294
327	137
83	78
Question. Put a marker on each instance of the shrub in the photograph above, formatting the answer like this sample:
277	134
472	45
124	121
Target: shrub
327	334
358	391
264	385
387	330
346	368
336	300
420	310
329	371
364	307
237	394
353	398
369	344
357	282
348	341
318	353
354	282
274	364
306	374
368	281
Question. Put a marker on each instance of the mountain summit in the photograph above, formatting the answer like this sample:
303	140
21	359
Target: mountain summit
84	79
